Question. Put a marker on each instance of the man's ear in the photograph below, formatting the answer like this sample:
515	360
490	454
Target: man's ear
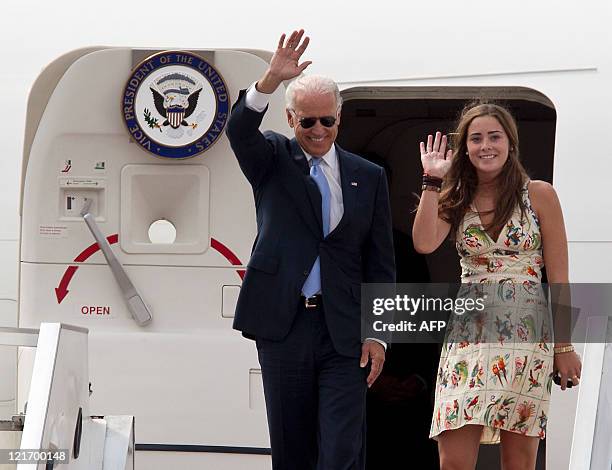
338	116
290	118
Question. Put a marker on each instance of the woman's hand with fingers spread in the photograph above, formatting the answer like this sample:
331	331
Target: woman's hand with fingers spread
435	158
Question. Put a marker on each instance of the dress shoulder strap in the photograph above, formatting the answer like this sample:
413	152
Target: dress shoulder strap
526	185
527	201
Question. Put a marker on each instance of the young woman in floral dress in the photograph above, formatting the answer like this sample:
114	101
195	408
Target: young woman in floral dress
496	368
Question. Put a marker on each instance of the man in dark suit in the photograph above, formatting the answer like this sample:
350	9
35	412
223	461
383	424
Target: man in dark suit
323	228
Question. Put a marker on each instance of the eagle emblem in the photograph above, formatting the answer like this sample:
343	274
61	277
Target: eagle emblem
175	104
175	96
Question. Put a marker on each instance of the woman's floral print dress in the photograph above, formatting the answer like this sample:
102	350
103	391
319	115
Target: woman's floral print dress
496	365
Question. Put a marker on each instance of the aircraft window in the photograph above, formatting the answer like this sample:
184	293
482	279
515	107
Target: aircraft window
162	231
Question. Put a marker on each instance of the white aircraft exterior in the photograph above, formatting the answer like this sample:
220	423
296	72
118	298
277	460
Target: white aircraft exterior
191	381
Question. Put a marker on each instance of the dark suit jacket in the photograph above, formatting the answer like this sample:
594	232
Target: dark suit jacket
290	235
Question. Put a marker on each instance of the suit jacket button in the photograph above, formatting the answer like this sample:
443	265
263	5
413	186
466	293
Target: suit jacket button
305	273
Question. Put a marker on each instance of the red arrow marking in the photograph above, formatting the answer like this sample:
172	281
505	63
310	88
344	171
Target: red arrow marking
228	254
91	249
61	291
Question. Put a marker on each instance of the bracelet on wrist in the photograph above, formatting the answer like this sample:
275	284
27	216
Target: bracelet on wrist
563	349
431	181
429	177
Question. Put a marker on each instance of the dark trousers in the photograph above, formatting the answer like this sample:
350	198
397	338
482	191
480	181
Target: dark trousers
315	399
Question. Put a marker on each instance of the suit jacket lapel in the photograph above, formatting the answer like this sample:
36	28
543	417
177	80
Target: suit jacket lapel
306	195
348	182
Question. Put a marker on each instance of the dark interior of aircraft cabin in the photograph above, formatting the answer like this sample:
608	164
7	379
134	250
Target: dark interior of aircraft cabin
385	125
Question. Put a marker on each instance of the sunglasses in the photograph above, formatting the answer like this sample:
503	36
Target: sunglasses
308	122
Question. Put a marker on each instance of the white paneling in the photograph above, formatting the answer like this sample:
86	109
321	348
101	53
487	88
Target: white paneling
602	445
9	263
8	362
589	262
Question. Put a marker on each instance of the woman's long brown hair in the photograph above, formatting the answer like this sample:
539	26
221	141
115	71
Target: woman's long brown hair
461	181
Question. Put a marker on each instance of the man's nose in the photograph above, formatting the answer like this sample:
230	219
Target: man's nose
318	126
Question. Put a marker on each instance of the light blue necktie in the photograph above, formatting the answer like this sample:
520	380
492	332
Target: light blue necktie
313	281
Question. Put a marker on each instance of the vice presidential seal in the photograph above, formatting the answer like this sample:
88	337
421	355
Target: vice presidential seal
175	104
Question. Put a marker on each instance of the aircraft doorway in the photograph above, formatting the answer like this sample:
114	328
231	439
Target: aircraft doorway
385	125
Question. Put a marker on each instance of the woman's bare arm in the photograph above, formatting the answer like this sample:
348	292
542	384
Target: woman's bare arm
429	230
554	248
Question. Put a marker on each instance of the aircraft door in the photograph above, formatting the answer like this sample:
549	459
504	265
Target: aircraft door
131	140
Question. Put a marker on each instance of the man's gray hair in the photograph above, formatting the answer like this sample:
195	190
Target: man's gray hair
312	84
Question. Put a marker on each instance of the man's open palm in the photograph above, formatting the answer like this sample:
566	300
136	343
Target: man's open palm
285	61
